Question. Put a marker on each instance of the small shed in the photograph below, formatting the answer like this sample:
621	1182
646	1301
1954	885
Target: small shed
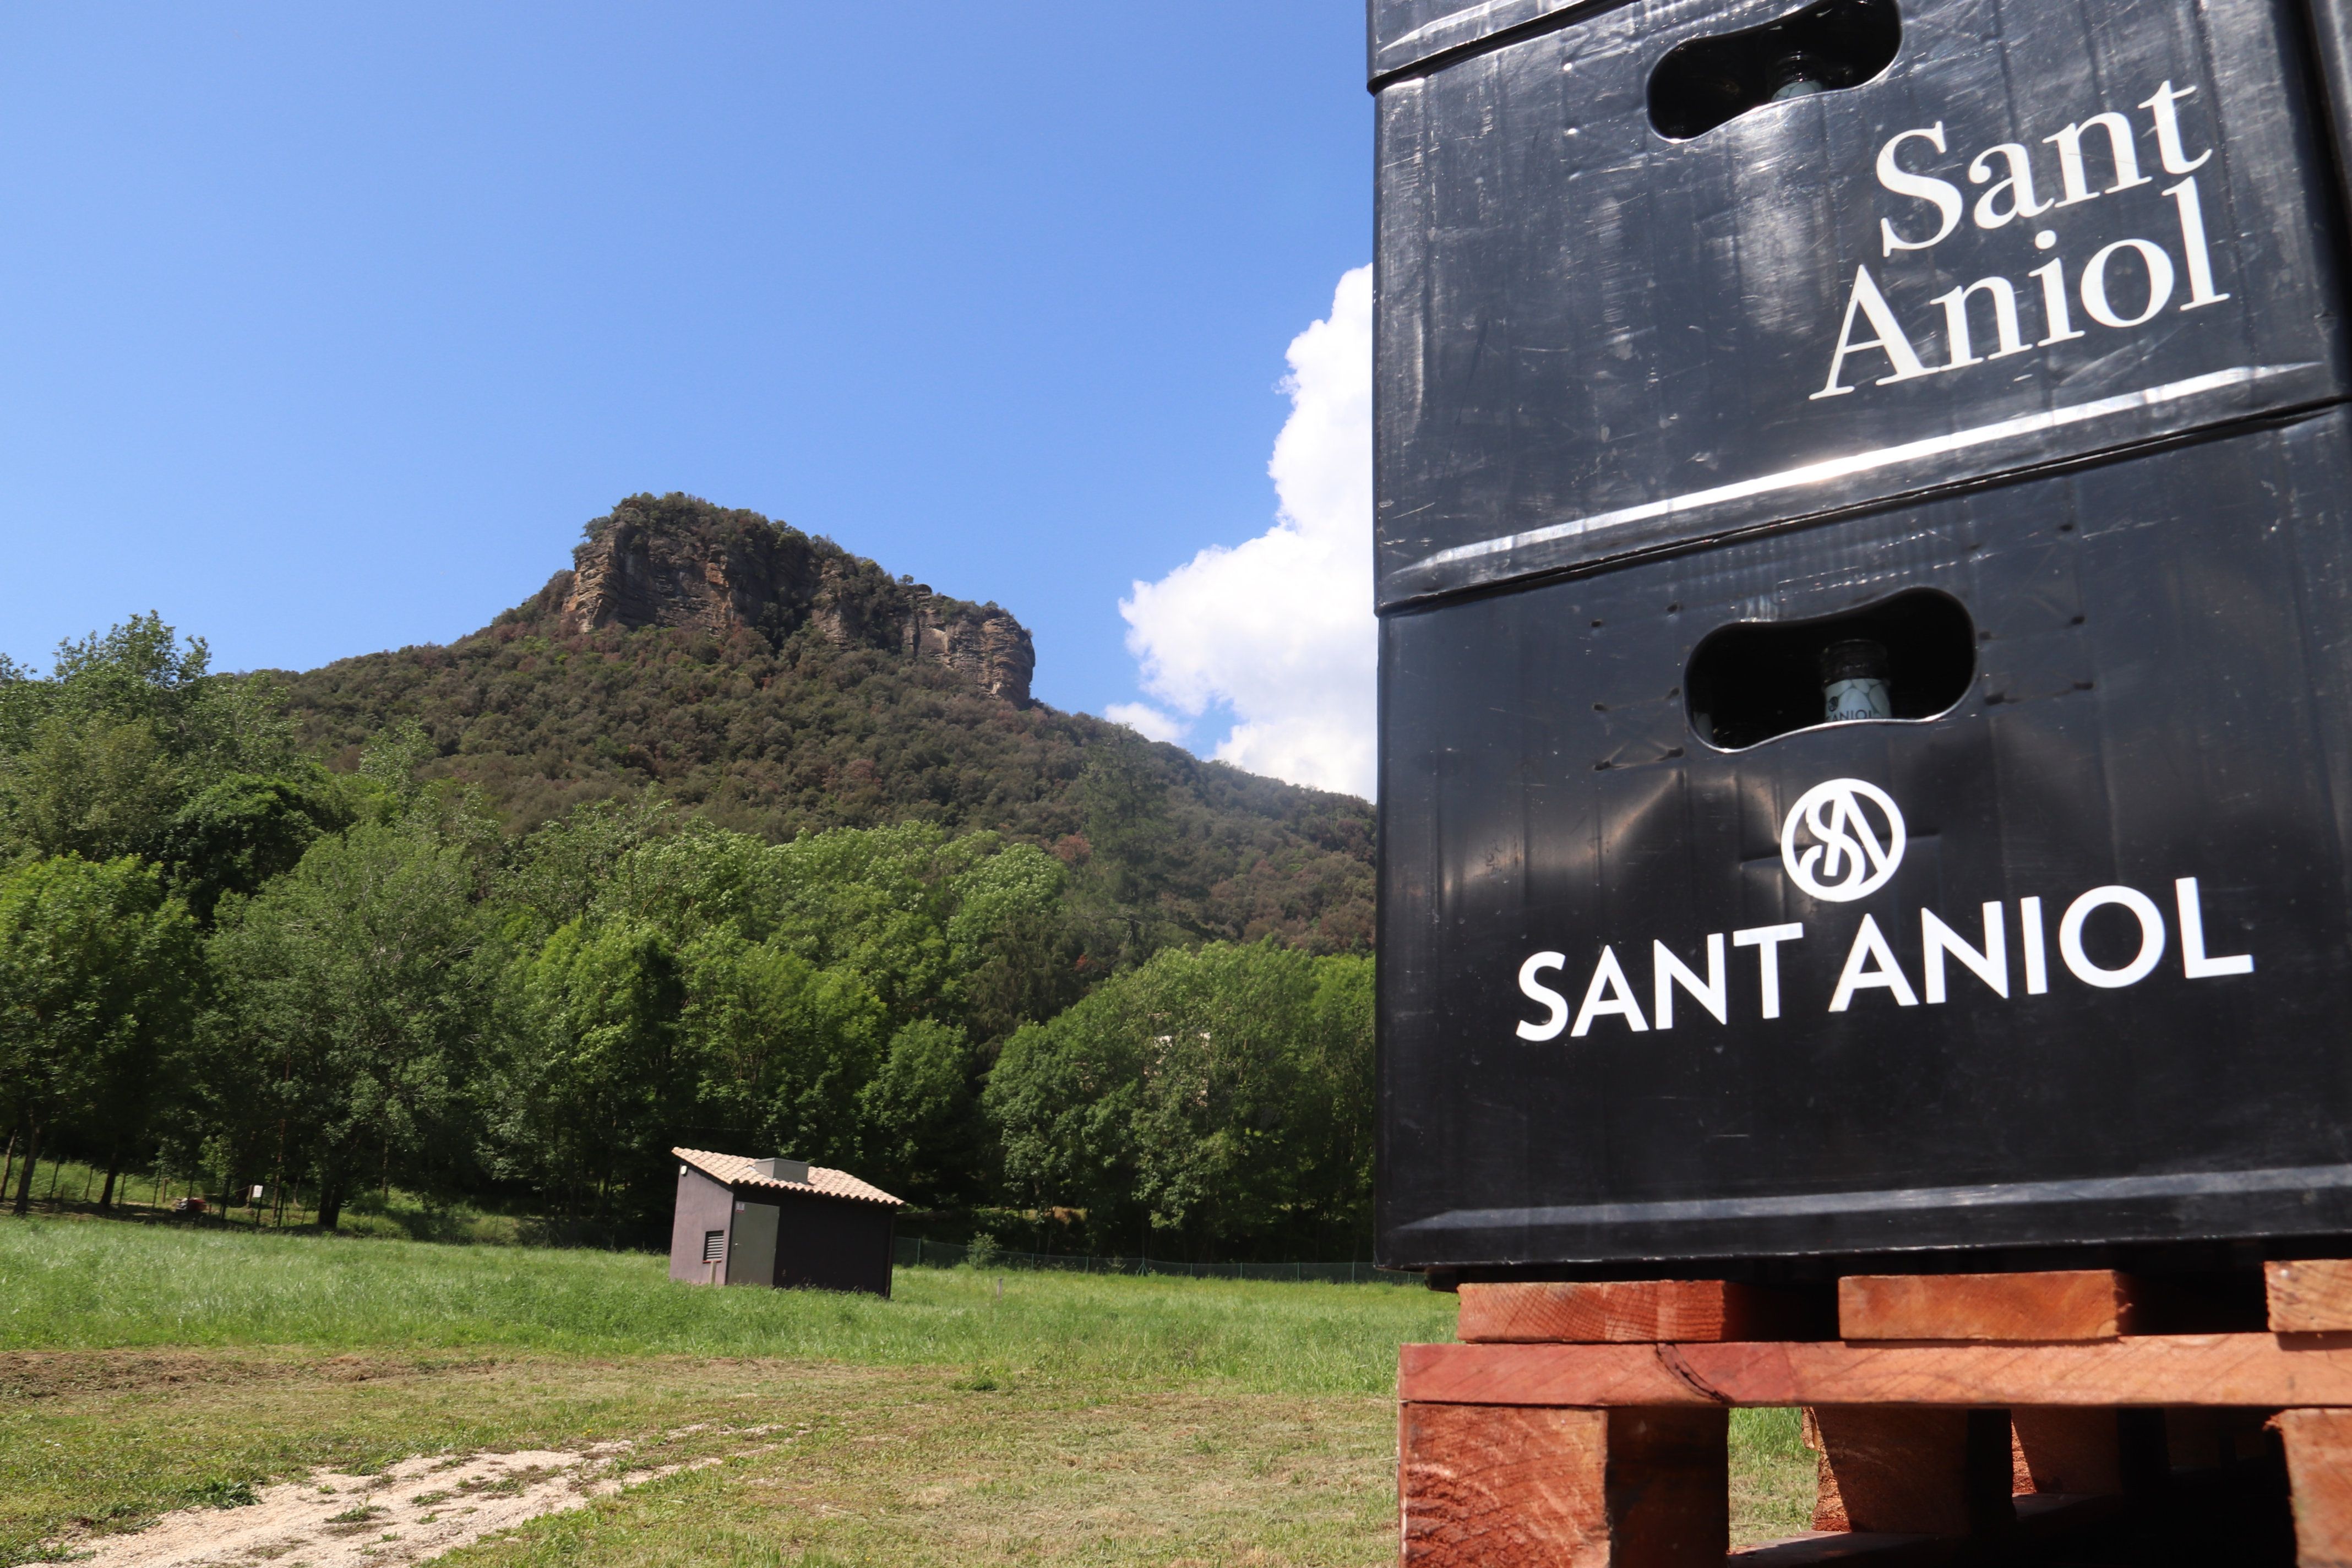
779	1222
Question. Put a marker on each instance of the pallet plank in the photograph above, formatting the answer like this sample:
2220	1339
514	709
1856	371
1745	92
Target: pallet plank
1611	1311
2175	1370
2309	1297
2057	1305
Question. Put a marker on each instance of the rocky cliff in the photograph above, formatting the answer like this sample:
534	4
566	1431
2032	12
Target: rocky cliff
673	561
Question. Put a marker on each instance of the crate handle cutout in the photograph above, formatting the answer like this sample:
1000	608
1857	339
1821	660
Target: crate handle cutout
1910	657
1825	47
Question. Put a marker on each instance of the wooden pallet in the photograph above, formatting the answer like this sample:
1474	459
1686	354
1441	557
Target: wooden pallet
1980	1418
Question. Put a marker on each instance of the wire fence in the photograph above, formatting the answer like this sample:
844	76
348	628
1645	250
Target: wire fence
916	1253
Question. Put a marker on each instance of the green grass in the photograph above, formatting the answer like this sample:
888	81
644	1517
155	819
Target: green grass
1077	1419
80	1286
1772	1476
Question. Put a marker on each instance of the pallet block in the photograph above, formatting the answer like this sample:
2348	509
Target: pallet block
2319	1472
1911	1471
1594	1488
2062	1450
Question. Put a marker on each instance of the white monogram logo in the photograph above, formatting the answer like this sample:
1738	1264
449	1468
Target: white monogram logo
1849	857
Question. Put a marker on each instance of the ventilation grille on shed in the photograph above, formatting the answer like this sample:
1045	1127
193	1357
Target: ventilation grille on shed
714	1246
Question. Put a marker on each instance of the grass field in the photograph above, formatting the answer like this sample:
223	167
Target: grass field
1069	1419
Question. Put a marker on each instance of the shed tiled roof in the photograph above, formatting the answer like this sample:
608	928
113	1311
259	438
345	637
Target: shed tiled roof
738	1171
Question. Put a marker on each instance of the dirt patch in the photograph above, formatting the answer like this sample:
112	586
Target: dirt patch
409	1512
38	1376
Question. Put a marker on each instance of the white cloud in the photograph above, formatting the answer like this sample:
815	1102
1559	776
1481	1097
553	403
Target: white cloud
1279	628
1147	721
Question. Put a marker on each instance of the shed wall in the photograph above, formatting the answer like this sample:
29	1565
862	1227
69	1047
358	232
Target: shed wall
703	1206
833	1243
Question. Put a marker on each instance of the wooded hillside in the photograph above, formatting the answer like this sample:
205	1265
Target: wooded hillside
774	683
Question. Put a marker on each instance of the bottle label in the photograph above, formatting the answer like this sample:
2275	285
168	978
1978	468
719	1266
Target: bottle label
1863	699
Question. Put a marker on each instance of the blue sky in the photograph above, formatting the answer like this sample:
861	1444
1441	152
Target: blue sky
324	329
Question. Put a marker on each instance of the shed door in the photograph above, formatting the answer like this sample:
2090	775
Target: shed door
751	1258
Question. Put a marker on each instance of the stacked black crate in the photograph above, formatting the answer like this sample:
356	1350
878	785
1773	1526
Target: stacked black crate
1733	357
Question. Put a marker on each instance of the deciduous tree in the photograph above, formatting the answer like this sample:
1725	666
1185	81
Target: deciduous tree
98	977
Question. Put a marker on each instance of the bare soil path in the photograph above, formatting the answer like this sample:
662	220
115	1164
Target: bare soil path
412	1512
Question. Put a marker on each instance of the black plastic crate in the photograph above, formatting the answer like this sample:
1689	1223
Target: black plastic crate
2102	549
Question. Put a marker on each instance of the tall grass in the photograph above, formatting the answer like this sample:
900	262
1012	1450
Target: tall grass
77	1285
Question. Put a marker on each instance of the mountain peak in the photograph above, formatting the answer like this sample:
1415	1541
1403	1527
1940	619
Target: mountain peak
676	561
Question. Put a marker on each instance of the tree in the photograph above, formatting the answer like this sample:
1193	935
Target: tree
99	974
929	1145
1065	1097
836	998
597	1079
97	760
1129	839
787	1048
239	832
357	990
967	929
564	865
1221	1092
1010	941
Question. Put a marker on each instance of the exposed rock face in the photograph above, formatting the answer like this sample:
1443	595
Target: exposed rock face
642	568
674	561
980	640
